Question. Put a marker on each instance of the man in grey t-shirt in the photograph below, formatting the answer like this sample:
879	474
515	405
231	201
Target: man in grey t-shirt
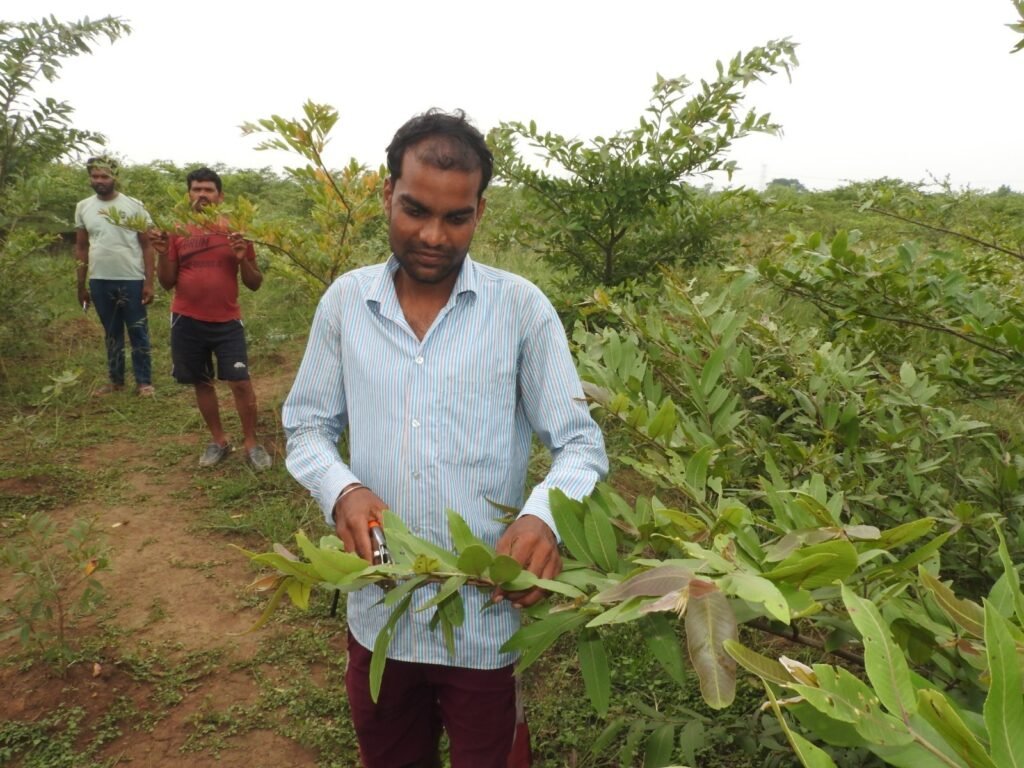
118	263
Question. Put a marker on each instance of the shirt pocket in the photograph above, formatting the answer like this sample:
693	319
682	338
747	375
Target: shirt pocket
477	427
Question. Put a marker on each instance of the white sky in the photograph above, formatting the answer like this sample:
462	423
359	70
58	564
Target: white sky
899	88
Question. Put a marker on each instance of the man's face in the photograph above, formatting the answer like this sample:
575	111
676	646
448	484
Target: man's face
432	215
202	194
101	181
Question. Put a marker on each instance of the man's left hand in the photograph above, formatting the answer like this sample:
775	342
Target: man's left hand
147	293
239	245
533	545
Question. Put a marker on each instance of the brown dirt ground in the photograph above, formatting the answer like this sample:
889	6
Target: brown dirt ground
194	583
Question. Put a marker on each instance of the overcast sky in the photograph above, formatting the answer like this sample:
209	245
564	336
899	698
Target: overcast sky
899	88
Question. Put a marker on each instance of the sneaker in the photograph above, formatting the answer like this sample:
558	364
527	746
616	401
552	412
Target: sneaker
214	454
259	458
145	390
107	389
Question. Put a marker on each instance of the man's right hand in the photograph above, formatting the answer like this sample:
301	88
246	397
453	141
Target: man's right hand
158	240
353	512
83	297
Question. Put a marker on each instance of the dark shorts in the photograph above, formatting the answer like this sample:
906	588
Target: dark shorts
477	707
195	343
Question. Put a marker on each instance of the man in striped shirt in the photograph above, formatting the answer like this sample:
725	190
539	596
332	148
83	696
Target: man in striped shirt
441	370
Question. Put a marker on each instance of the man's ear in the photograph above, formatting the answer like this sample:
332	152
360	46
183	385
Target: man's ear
480	207
389	190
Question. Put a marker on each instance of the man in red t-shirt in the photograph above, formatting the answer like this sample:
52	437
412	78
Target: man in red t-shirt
203	267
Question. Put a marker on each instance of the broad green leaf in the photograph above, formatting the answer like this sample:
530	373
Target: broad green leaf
607	736
1004	706
934	707
332	564
283	564
709	623
1012	576
767	669
453	610
757	590
535	638
906	533
462	535
403	588
653	583
600	536
451	586
663	423
660	744
558	587
816	509
811	569
841	696
967	615
697	471
919	555
298	591
664	644
504	569
474	559
886	666
567	513
380	647
809	755
712	370
594	666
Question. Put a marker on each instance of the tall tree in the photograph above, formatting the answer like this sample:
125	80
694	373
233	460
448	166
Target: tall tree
33	131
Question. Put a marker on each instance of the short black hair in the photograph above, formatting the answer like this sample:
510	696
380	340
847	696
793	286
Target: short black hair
449	142
204	174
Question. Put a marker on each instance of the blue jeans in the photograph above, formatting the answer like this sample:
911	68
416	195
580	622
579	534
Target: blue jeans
119	306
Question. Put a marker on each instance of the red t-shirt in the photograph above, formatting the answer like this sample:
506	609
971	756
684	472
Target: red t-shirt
207	287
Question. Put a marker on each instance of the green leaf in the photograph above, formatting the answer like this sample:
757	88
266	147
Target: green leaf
817	565
537	637
1012	576
767	669
842	696
594	666
451	586
600	536
1004	706
659	747
660	635
474	559
332	564
380	647
504	569
567	514
462	535
757	590
967	615
298	591
697	471
271	605
906	533
887	668
809	755
709	623
935	708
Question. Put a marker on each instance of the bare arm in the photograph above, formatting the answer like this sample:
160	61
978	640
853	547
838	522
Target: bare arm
82	257
166	269
148	267
252	278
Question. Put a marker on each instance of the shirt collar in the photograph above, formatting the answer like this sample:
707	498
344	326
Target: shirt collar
382	292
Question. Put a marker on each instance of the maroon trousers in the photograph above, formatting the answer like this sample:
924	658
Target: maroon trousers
477	708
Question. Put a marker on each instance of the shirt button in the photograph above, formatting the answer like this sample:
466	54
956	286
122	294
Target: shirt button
415	423
417	475
419	360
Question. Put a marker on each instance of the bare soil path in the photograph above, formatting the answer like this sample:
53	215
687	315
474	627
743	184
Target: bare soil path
175	655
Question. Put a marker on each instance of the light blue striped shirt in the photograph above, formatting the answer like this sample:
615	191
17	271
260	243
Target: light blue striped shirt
442	423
